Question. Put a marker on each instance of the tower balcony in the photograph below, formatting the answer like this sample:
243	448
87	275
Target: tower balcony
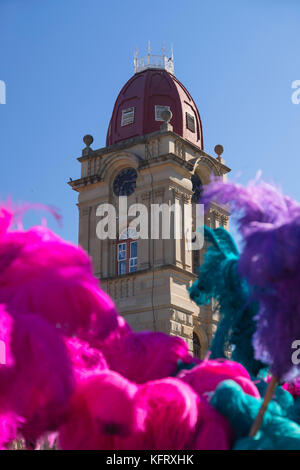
154	61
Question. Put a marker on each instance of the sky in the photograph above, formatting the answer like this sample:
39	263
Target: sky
64	62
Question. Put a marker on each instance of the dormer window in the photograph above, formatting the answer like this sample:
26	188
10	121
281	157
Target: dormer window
127	116
190	122
159	110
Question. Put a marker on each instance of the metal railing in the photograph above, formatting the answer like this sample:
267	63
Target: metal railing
151	61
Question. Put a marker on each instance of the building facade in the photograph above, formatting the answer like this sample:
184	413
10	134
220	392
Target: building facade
154	155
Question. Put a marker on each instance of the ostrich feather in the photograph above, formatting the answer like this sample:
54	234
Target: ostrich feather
269	223
219	279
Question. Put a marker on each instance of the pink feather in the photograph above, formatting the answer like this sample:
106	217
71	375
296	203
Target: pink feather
86	360
171	409
42	274
39	384
102	409
214	431
205	377
146	355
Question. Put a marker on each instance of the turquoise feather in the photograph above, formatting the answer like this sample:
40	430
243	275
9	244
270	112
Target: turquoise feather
219	279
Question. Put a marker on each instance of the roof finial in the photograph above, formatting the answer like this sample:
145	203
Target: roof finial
166	116
88	140
163	48
219	149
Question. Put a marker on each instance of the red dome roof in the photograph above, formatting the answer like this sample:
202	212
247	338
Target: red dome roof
136	111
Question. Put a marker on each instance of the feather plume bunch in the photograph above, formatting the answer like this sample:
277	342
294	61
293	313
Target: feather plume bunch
71	365
269	223
219	279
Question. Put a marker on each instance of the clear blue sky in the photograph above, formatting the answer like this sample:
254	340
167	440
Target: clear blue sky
64	62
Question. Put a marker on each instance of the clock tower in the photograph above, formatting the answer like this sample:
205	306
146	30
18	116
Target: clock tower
154	157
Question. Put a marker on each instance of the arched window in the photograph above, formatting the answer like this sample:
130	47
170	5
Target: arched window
196	261
127	252
196	345
197	188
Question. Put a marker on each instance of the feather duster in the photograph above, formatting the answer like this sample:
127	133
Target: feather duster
293	388
103	408
239	408
205	377
111	341
214	431
171	412
86	361
6	327
146	355
270	225
277	431
42	274
219	279
10	422
39	384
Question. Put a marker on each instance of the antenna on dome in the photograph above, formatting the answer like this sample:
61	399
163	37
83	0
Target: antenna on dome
149	52
163	48
135	57
154	61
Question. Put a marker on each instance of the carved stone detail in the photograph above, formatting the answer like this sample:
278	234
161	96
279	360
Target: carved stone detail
225	219
180	193
94	166
216	214
121	288
159	193
152	149
146	196
180	149
186	198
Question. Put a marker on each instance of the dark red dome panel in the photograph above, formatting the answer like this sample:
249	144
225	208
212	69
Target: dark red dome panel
143	92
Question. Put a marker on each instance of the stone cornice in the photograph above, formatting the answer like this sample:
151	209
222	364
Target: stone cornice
164	267
221	210
165	157
87	180
93	179
124	144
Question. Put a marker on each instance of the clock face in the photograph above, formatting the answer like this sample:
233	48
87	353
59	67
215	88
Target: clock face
197	188
125	182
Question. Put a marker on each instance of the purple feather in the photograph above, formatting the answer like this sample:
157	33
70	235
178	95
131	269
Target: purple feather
269	223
